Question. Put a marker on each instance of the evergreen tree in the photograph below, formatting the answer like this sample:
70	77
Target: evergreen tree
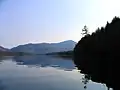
84	31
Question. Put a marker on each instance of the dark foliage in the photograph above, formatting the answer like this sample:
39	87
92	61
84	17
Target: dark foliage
98	54
65	54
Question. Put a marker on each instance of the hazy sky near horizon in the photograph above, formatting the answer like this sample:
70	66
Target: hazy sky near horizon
36	21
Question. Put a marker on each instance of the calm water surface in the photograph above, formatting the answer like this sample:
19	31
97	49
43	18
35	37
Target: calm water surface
41	73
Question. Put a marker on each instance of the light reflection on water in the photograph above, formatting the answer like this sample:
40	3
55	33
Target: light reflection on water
41	73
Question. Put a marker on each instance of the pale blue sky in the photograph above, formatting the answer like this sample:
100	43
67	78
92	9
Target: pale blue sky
36	21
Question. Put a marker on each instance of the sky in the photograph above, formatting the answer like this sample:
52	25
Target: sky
37	21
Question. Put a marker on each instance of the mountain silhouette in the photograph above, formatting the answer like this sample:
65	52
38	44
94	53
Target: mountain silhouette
42	48
3	49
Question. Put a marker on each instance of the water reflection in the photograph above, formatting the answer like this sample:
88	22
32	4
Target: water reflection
41	73
45	61
2	87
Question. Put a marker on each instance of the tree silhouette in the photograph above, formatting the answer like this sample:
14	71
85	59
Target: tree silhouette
84	30
97	55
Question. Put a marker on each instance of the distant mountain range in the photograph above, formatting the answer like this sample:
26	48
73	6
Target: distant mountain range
5	52
43	48
2	49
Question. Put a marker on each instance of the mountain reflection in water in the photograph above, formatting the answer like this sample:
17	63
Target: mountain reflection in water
43	61
41	73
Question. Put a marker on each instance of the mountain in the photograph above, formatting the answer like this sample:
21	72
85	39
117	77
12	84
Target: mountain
3	49
42	48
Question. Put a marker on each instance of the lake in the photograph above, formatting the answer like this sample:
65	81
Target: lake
42	73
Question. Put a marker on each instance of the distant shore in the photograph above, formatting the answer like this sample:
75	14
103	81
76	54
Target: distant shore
65	54
4	53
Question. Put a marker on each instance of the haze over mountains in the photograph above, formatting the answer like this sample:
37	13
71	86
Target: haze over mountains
42	48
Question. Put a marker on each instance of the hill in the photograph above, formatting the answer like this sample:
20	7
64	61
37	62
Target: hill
43	48
3	49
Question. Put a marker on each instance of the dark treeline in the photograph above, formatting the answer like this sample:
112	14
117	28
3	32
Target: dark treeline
98	54
65	54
